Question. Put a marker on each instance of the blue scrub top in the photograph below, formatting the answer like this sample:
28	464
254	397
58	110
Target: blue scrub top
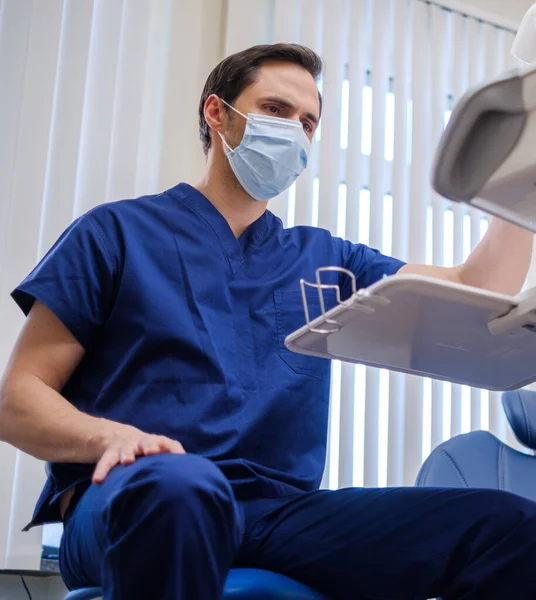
184	326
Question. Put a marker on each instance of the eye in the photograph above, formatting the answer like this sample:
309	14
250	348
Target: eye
307	127
275	110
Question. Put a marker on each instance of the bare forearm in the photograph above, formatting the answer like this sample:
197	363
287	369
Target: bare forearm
41	422
501	261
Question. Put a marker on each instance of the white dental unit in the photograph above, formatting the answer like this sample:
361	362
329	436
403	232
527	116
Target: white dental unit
413	324
487	155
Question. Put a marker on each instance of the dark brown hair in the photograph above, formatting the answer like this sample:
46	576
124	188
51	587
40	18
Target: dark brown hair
236	72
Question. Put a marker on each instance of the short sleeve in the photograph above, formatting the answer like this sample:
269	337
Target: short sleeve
367	264
75	280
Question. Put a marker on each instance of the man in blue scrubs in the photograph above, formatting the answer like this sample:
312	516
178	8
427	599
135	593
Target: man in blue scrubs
183	437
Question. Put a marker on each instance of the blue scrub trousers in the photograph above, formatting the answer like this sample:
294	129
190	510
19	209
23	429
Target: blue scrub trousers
169	528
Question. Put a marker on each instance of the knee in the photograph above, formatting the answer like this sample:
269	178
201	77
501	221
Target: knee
170	480
505	511
500	503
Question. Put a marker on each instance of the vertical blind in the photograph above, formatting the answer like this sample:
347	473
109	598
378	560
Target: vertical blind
98	102
394	72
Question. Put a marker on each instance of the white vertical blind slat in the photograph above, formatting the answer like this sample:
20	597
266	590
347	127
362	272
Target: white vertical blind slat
476	409
62	159
15	29
380	71
8	459
21	545
413	424
95	136
259	30
287	20
502	50
346	425
420	158
400	193
334	49
476	73
458	81
287	26
39	29
311	36
419	199
395	439
194	33
493	47
497	420
402	89
357	61
36	96
126	124
380	55
153	99
334	44
29	46
440	30
357	67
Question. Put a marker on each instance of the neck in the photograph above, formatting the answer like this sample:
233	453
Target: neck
220	186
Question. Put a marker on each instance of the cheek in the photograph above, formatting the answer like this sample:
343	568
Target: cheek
235	133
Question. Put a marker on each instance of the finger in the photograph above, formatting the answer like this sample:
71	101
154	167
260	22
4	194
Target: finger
150	446
177	448
171	446
107	462
128	454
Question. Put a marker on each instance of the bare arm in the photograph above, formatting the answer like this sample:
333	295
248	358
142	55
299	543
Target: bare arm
37	419
500	262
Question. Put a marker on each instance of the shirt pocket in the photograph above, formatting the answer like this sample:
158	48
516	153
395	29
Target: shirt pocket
290	317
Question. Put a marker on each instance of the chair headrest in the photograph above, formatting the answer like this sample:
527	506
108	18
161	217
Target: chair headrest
520	409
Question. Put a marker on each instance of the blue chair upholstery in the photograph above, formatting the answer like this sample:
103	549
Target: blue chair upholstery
520	409
257	584
84	594
242	584
479	459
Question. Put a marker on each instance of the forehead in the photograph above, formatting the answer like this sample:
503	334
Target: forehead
288	80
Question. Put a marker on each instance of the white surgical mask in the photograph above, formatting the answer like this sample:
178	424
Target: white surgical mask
272	154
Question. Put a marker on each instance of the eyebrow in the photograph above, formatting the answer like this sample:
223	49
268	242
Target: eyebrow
290	106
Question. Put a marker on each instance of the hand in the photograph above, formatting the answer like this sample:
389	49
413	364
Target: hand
123	449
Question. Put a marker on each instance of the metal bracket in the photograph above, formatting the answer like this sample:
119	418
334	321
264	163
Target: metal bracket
523	316
355	301
512	321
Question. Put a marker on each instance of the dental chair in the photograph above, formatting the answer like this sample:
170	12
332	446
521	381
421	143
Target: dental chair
486	156
479	460
241	584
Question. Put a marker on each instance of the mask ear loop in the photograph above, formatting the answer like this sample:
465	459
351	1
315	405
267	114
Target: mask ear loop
229	149
233	108
236	111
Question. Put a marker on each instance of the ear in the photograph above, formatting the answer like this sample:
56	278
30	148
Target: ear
215	113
